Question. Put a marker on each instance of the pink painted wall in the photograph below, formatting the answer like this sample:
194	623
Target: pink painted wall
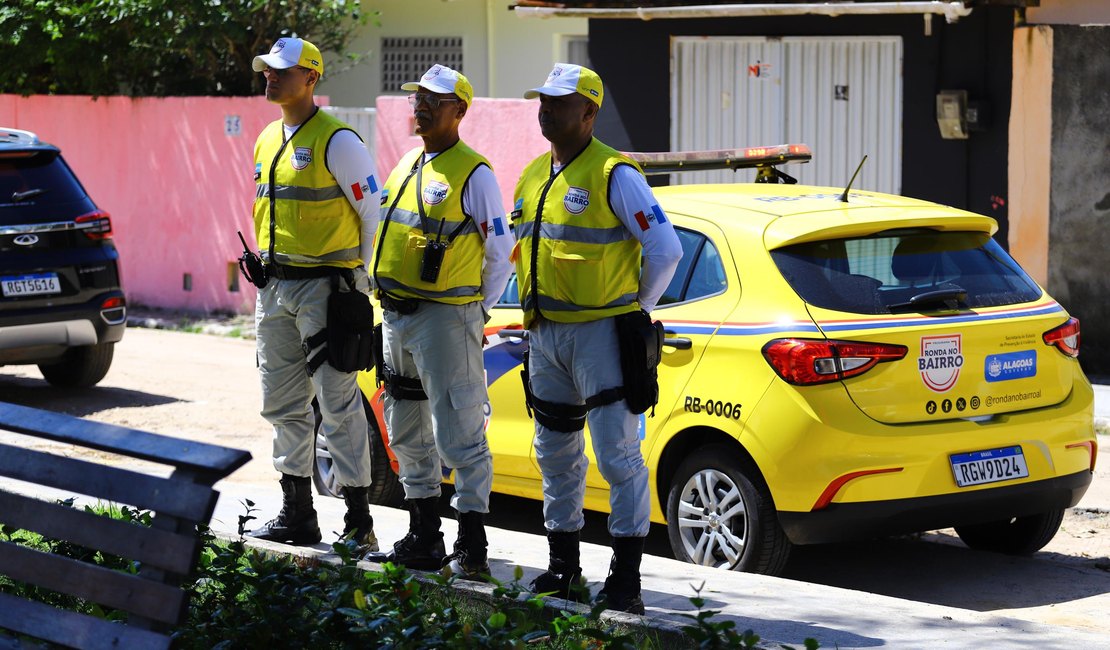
178	187
503	130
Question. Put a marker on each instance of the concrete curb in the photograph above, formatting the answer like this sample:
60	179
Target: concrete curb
669	633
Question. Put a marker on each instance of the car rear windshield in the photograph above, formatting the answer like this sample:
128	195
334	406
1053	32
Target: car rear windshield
41	179
905	270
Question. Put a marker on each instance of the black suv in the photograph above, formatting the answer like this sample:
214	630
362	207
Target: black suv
61	305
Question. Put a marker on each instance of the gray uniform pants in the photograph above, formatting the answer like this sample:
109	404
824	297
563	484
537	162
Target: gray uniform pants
569	362
288	312
441	345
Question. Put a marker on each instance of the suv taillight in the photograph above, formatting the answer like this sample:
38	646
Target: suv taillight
806	362
1064	337
95	225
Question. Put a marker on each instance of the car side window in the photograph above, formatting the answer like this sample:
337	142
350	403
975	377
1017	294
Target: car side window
700	272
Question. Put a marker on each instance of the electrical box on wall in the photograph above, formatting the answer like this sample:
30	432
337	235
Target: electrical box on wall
952	114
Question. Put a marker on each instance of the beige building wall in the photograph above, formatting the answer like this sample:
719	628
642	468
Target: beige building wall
1030	173
1070	12
502	54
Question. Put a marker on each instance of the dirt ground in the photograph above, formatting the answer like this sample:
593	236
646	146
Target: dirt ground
205	387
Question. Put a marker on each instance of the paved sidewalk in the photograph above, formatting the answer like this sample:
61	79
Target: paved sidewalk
779	610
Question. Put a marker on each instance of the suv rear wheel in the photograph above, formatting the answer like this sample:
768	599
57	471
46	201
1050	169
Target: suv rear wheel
721	514
80	367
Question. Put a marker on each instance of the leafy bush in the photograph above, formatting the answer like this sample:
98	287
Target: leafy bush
242	597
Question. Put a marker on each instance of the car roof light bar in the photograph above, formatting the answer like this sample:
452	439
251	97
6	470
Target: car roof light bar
666	162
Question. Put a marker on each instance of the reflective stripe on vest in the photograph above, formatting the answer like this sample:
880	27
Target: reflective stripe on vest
314	222
401	242
584	264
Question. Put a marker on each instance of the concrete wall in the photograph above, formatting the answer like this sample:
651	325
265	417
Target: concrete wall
1079	230
176	183
502	54
1030	164
505	131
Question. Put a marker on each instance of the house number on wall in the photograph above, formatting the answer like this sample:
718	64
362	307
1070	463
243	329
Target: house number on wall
232	125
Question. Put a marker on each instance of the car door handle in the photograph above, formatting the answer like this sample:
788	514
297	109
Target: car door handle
677	342
514	333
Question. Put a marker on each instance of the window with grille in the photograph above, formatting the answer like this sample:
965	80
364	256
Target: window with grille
406	58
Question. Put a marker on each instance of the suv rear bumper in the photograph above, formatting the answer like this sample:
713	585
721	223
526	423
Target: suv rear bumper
38	335
846	521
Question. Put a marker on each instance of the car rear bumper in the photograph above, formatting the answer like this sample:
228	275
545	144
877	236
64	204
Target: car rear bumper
36	335
845	521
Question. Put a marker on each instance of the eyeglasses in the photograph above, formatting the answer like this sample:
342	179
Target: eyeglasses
432	101
281	72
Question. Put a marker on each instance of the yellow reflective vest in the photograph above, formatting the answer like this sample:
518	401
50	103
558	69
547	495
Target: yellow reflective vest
576	261
299	201
403	234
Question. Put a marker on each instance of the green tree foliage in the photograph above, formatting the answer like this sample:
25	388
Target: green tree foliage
159	47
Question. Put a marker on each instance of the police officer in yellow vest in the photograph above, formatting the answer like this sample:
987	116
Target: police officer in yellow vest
442	262
315	213
593	245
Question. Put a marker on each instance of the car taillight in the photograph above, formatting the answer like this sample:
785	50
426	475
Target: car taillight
95	225
805	362
1064	337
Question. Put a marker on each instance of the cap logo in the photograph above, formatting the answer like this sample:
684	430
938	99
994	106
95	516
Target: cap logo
435	192
576	200
280	44
301	158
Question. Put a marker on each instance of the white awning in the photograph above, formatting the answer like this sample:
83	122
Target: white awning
952	11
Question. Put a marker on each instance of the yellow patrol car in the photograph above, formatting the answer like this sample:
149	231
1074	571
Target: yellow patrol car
838	364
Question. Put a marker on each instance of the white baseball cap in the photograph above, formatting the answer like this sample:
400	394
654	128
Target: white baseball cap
288	52
441	79
567	78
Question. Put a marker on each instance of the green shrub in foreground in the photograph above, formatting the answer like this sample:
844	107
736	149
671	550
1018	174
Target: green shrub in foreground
245	598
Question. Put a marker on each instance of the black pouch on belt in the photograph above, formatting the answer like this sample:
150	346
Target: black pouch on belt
379	354
350	327
641	346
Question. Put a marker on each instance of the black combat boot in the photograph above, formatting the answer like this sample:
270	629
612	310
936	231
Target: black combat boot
296	523
622	588
469	561
422	547
358	525
563	577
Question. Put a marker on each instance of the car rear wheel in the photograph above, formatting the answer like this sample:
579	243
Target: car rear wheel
80	367
385	488
721	514
1014	536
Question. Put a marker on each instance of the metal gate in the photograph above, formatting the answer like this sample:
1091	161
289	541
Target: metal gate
361	120
840	95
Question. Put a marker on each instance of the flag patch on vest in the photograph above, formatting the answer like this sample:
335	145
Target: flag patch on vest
576	200
257	170
435	192
361	189
301	158
646	218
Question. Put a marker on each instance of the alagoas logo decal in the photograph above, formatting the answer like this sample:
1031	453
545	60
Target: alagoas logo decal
301	158
940	361
576	200
435	192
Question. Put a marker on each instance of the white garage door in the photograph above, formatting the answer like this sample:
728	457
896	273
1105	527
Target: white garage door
840	95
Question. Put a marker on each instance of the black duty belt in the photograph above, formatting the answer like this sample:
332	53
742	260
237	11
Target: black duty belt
286	272
400	305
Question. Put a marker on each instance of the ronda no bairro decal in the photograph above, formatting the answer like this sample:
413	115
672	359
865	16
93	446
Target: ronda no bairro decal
940	361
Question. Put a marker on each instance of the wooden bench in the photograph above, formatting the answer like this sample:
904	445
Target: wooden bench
166	552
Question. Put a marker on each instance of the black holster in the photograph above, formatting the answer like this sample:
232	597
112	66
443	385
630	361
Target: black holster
641	348
348	336
379	354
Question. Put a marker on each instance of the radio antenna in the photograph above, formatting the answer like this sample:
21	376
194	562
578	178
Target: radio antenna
844	196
